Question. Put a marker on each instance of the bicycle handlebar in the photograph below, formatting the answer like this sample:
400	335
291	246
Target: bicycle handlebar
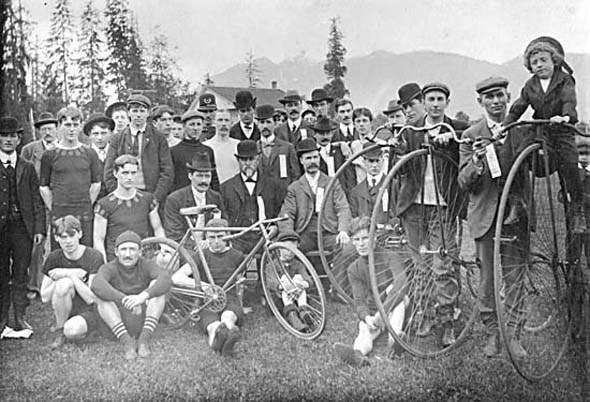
242	230
507	128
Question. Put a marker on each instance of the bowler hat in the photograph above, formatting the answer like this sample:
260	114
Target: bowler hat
436	86
115	105
244	100
159	110
247	149
126	237
318	95
288	235
392	107
140	100
374	153
98	118
291	96
264	112
9	125
407	92
192	114
45	118
200	163
217	223
490	83
207	102
323	124
306	145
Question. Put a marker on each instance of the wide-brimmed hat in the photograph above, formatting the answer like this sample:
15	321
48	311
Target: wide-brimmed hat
244	100
318	95
490	84
207	102
392	107
98	118
306	145
192	114
115	105
436	86
264	112
140	100
247	149
200	163
407	92
323	124
45	118
9	125
291	96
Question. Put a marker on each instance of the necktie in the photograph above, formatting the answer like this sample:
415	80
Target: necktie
349	132
134	147
373	182
267	148
293	128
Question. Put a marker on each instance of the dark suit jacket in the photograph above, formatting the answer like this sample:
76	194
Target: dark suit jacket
362	201
175	224
299	206
29	199
236	132
340	136
411	183
284	132
155	161
32	152
234	193
348	176
271	166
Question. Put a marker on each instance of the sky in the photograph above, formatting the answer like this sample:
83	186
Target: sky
213	35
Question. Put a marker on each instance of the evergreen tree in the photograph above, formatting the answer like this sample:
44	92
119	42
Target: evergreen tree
252	71
56	75
91	60
207	81
162	67
334	67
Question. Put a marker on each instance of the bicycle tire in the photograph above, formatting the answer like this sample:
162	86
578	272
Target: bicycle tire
272	270
530	270
180	302
420	277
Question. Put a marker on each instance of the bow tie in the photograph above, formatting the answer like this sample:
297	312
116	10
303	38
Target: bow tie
247	127
250	180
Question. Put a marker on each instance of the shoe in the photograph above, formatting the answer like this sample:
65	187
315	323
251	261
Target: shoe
351	356
306	316
219	337
20	323
129	343
59	340
426	326
579	221
295	321
143	348
516	348
448	337
516	211
492	347
228	346
3	323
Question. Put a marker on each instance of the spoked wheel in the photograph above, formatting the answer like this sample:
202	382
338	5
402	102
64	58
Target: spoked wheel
438	291
530	268
336	264
181	302
293	291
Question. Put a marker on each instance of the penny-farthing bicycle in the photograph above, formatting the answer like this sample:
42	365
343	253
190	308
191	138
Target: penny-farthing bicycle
534	258
429	251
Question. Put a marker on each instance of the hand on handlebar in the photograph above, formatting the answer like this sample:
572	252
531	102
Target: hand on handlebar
479	148
560	119
443	139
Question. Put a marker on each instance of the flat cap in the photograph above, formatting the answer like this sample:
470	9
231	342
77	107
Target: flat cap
490	84
436	86
139	99
217	223
126	237
192	114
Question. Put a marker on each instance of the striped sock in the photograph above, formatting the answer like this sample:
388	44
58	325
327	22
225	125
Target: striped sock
119	330
149	325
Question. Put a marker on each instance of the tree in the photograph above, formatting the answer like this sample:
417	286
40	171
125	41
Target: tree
334	67
207	81
252	71
91	60
162	68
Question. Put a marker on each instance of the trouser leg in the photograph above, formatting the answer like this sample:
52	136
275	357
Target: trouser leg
21	245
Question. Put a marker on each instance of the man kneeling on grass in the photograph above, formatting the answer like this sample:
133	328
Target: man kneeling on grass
394	277
222	260
67	274
132	294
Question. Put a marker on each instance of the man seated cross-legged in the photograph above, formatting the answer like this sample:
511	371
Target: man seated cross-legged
132	295
67	274
222	327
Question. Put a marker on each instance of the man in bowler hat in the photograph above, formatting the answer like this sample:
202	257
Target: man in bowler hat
295	128
245	128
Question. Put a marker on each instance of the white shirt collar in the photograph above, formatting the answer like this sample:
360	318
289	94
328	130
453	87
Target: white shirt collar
296	123
377	177
102	153
245	130
46	145
4	158
135	131
345	129
199	197
265	140
313	180
254	176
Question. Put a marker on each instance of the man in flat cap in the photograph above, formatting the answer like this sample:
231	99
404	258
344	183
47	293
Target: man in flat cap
484	193
208	106
147	144
278	158
131	294
245	128
22	223
224	146
295	128
192	144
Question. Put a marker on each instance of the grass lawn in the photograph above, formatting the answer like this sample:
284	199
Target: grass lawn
270	365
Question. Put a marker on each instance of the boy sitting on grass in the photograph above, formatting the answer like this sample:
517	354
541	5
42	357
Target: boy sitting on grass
222	329
370	324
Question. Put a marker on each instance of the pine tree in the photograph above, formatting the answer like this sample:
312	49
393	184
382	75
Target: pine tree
334	67
252	71
91	60
162	67
56	75
207	80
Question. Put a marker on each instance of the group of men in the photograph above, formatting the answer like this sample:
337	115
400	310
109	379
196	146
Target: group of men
107	181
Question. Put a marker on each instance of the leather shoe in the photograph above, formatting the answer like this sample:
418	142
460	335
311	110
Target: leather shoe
448	337
59	340
492	346
20	323
228	346
3	323
516	348
219	338
426	326
295	321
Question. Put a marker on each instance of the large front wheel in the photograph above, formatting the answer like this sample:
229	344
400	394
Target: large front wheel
293	291
530	265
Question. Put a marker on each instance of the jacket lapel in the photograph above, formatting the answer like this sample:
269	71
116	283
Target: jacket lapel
19	170
147	137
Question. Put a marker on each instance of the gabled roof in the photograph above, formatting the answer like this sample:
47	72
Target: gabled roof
264	96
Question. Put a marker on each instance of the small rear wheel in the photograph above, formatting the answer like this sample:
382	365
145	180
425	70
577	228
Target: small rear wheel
293	291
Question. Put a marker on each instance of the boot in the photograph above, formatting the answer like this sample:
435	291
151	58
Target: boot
19	320
59	340
306	316
579	219
448	337
293	318
228	346
221	333
515	212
